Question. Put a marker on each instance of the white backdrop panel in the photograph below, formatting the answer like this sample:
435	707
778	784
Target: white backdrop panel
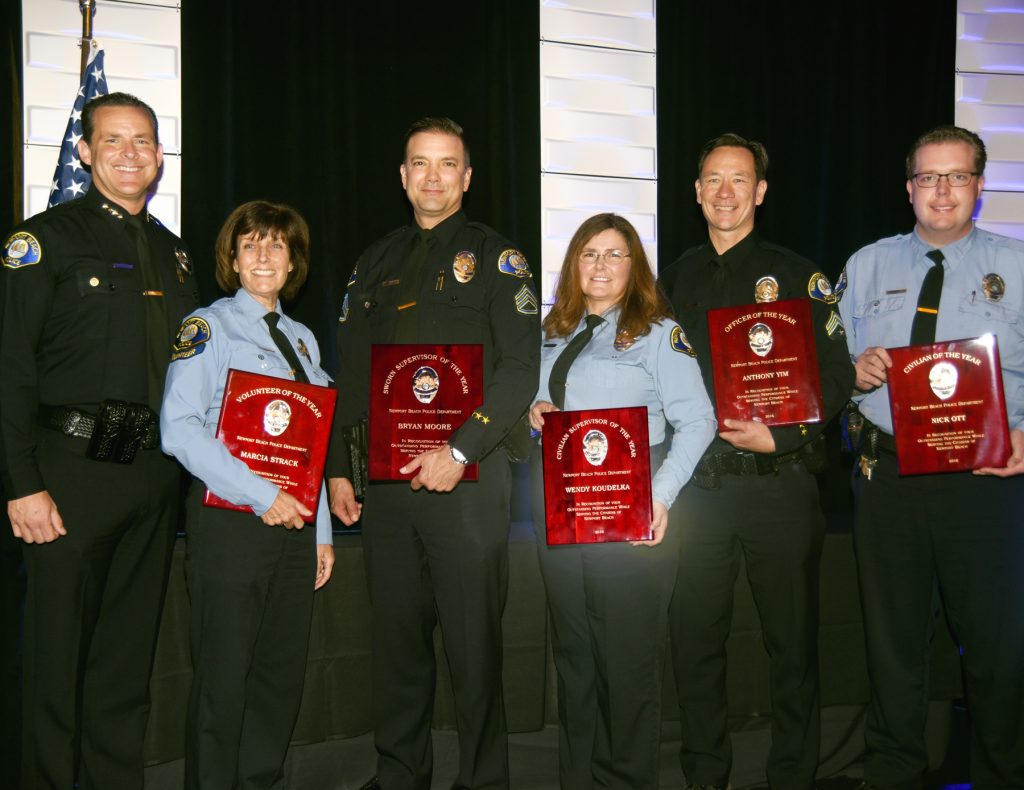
142	42
622	24
568	200
990	101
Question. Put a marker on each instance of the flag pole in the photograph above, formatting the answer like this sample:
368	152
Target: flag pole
88	8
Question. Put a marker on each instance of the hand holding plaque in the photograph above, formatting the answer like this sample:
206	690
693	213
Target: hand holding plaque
948	407
764	363
280	429
597	476
419	395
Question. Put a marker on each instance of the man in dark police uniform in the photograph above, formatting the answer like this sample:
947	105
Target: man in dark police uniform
92	293
753	493
437	548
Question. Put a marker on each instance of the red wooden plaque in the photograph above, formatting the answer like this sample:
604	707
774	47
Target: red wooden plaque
280	429
597	475
764	362
419	395
948	406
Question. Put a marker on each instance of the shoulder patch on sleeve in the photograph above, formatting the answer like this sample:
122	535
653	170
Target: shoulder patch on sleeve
513	262
841	284
191	339
22	249
343	317
680	343
834	324
526	301
819	288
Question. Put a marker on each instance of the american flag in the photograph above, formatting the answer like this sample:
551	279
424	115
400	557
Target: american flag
71	179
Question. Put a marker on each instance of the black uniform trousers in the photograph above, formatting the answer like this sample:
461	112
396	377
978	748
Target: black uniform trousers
444	557
965	533
93	607
12	601
776	523
608	605
251	590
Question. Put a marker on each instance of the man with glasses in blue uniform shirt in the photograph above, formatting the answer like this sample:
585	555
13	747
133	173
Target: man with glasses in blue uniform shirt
961	531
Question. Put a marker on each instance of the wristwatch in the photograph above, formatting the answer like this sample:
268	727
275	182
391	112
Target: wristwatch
457	456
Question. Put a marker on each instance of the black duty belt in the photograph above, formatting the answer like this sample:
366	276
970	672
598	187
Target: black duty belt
737	462
82	424
885	441
714	464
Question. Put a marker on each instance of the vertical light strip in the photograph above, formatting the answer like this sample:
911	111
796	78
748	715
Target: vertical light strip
143	57
990	101
598	121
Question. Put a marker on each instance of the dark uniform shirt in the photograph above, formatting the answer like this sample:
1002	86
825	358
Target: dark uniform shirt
701	280
475	287
74	318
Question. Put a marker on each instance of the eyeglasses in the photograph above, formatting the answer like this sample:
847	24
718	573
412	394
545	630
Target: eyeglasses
931	180
611	257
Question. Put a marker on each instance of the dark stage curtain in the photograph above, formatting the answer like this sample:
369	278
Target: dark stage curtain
836	91
308	102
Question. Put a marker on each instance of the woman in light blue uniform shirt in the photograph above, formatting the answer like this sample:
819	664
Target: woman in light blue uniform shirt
250	576
609	602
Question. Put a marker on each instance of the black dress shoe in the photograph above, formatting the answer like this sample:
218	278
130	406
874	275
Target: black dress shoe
373	784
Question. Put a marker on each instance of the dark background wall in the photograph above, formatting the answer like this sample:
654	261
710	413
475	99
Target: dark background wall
307	102
836	91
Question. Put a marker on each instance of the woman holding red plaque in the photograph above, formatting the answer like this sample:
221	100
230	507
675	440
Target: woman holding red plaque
250	576
609	342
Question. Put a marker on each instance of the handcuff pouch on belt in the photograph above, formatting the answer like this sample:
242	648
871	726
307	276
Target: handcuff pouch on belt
713	465
121	429
357	440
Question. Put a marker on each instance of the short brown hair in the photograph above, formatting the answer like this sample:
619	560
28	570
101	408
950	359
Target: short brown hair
642	304
733	140
115	100
264	219
949	134
438	126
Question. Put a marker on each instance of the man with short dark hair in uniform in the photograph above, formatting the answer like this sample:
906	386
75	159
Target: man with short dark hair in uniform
436	549
960	532
92	294
753	494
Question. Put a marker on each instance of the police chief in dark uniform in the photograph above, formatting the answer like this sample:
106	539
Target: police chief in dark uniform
436	548
753	493
93	291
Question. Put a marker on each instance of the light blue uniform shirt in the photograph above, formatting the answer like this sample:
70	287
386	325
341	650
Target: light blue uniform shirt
239	339
883	283
649	373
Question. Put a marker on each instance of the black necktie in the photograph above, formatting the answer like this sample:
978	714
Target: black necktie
281	341
560	370
158	339
406	327
923	328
